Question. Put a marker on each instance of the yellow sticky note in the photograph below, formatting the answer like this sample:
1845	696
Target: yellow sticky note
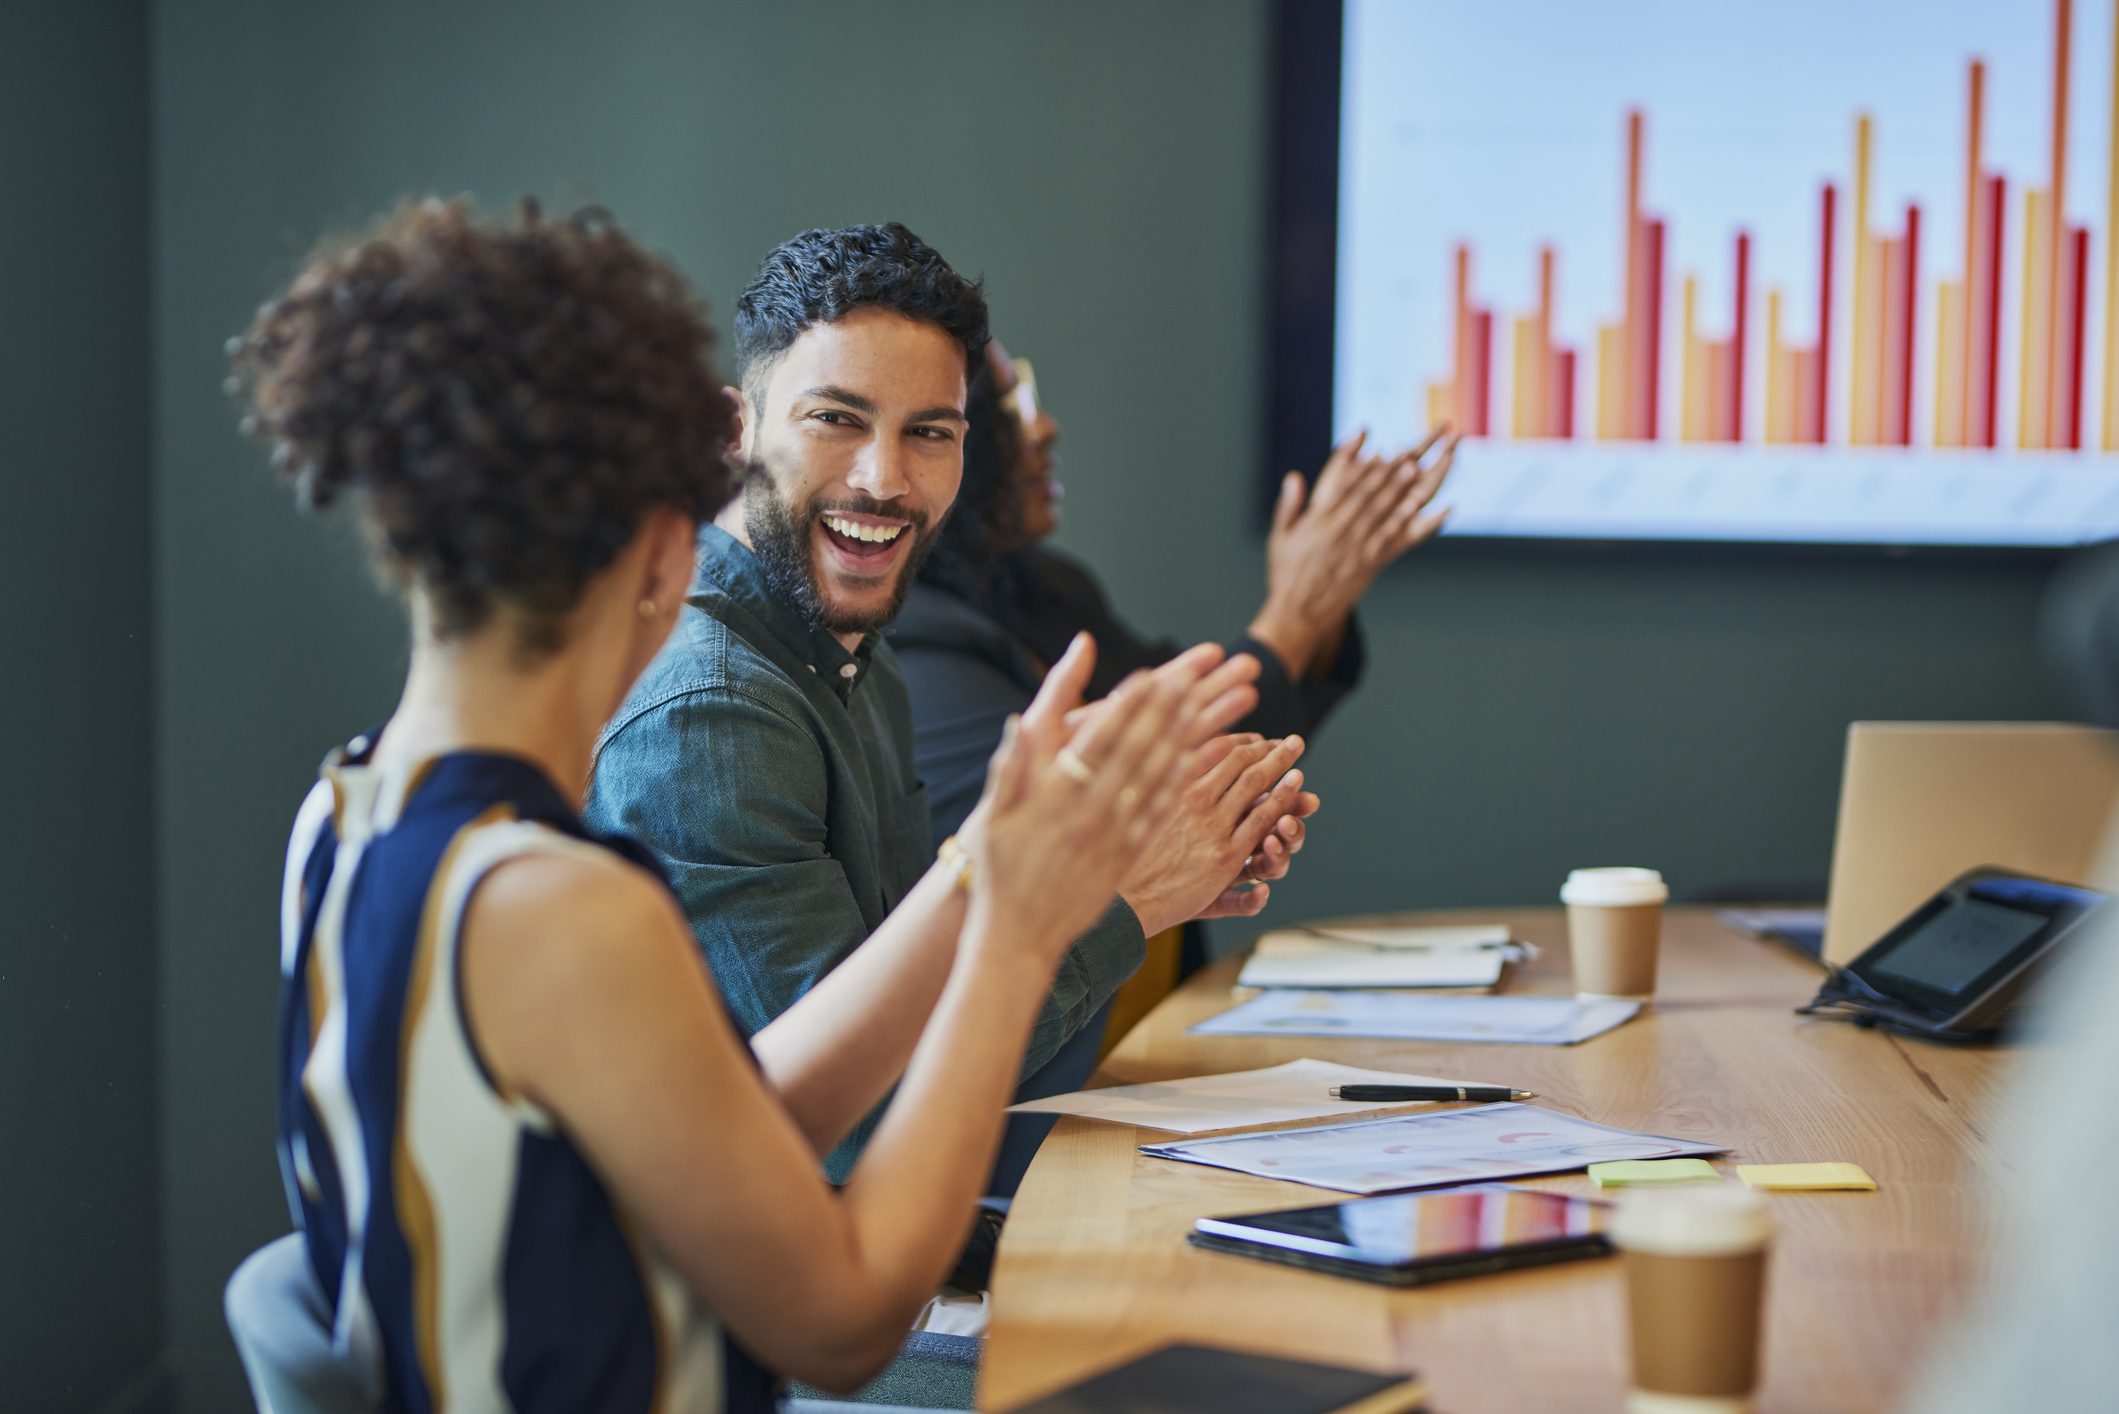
1812	1176
1637	1173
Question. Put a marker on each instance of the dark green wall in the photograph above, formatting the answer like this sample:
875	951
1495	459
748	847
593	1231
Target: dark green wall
1103	164
80	1314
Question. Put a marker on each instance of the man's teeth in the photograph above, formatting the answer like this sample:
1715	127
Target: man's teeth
879	534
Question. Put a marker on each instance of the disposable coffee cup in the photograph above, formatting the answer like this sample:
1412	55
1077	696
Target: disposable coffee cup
1695	1291
1614	928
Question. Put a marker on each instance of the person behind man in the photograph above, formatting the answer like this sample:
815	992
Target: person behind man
995	605
766	756
533	1163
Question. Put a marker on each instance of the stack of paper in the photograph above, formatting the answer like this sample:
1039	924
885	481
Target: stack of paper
1379	957
1298	1090
1397	1016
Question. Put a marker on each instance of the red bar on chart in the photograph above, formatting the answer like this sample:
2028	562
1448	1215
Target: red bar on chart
1482	370
2078	304
1909	305
1563	383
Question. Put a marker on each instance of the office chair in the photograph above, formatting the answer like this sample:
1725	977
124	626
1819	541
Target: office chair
281	1322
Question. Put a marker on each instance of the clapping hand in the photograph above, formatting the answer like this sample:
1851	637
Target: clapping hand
1068	808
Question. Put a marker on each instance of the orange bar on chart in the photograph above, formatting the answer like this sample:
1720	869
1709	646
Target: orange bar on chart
1634	321
1523	347
1541	363
1986	350
1790	427
1721	405
1808	397
1866	415
1461	332
1891	363
1609	380
2057	320
1961	430
1949	364
1776	376
1692	391
2036	290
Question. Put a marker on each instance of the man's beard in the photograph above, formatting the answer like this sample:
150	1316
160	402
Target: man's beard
782	540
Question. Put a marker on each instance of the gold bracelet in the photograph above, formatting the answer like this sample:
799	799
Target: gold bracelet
953	858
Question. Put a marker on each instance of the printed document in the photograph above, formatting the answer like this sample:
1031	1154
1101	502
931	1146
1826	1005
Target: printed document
1425	1150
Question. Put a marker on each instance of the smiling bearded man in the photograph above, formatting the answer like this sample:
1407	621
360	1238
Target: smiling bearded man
766	756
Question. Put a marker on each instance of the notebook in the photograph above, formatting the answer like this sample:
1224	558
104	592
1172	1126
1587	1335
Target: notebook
1304	959
1189	1378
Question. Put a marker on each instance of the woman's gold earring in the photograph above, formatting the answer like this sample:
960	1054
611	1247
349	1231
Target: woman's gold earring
648	609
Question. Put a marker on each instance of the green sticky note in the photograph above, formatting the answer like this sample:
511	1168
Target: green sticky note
1636	1173
1812	1176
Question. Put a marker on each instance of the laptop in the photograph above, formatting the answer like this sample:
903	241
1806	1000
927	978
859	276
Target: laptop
1922	802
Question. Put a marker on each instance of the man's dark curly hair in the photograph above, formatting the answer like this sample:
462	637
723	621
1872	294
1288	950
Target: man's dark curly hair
504	402
821	276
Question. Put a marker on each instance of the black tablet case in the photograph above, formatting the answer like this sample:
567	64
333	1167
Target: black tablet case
1197	1377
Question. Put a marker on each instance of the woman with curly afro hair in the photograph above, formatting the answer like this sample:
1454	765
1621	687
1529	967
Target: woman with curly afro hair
533	1164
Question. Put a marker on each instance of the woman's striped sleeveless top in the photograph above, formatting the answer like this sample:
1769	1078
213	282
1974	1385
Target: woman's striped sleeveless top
472	1258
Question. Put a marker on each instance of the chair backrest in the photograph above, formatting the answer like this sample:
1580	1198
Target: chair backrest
281	1322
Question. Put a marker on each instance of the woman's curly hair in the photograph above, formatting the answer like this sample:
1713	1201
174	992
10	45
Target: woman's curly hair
504	402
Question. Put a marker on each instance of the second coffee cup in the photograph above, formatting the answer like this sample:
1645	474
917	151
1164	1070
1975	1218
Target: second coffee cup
1614	928
1695	1292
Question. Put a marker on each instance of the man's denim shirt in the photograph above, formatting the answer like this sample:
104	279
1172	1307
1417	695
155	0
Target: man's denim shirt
772	771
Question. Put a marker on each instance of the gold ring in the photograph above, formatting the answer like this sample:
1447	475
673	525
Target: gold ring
1073	767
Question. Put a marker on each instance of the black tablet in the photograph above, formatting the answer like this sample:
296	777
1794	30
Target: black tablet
1956	965
1408	1239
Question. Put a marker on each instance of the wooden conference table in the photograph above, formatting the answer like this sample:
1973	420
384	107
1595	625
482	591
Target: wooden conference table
1093	1267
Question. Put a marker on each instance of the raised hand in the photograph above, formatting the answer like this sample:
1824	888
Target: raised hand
1329	542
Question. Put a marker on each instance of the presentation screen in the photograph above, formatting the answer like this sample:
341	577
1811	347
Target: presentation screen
1805	271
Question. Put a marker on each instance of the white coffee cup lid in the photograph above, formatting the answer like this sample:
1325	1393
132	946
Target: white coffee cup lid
1614	887
1692	1222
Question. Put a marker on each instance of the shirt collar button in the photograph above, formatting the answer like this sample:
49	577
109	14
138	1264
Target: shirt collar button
849	670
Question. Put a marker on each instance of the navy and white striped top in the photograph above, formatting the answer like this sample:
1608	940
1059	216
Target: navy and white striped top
473	1259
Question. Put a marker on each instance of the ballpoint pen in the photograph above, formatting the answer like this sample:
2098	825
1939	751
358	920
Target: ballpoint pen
1484	1094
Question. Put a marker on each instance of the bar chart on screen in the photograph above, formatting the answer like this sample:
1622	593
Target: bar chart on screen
1806	272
